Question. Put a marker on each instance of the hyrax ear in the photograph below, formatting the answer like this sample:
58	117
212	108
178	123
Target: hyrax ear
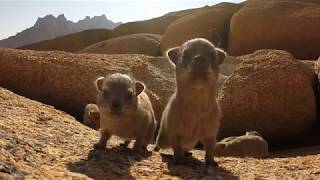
98	83
221	54
173	55
139	87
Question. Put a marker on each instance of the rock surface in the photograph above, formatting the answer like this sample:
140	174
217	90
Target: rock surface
65	80
142	43
36	139
291	25
211	23
317	88
70	43
269	92
39	142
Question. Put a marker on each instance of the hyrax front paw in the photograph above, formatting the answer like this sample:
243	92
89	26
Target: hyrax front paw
99	146
211	162
140	150
180	161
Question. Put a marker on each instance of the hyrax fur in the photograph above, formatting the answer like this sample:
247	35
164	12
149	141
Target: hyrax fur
125	111
249	145
91	116
192	113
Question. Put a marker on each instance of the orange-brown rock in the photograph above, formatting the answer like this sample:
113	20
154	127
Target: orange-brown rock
36	138
142	43
211	23
154	26
70	43
65	80
291	25
269	92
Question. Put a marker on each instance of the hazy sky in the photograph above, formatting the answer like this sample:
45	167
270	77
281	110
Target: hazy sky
17	15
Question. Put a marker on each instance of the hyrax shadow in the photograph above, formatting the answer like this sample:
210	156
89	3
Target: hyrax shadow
125	111
192	113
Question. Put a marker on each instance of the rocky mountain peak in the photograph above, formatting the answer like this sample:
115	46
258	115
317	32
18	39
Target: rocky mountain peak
61	17
49	27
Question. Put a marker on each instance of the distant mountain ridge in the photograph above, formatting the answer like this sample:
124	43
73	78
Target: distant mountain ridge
50	27
71	42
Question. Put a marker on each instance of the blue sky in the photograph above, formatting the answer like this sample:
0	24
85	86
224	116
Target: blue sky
17	15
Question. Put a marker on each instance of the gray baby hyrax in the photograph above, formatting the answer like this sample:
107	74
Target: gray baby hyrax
192	113
91	116
125	111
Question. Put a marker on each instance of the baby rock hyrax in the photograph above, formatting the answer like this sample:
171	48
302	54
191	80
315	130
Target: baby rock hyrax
91	116
249	145
125	111
192	113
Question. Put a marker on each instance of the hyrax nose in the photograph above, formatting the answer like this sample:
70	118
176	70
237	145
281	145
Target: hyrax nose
116	105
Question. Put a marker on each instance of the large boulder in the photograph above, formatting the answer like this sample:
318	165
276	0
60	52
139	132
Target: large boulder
269	92
211	23
229	65
154	26
71	42
142	43
291	25
65	80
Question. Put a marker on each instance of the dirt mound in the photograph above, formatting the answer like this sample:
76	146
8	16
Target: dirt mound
142	43
70	43
291	25
39	142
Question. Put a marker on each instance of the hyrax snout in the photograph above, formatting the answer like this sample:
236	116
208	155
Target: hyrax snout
192	113
249	145
125	111
91	116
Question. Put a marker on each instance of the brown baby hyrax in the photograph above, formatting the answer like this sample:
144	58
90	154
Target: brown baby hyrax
192	113
249	145
91	116
125	111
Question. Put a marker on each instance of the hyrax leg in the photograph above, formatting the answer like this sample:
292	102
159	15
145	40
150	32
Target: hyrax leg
103	140
178	151
209	144
125	143
141	142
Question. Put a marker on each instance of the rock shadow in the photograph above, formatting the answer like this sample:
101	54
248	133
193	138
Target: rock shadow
305	151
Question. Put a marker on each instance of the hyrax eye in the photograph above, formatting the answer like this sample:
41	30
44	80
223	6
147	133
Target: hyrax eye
129	95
